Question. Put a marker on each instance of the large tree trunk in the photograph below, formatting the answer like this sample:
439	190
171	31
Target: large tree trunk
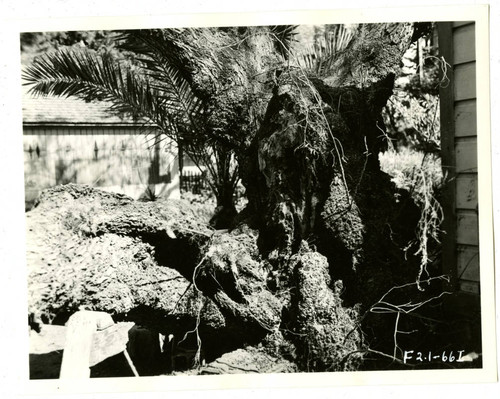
312	171
150	262
319	208
226	178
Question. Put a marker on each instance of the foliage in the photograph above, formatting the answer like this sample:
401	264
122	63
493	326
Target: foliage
405	165
412	114
34	44
412	121
201	87
317	58
234	96
85	74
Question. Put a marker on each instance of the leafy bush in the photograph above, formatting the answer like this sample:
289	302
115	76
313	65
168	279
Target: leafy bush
408	167
421	175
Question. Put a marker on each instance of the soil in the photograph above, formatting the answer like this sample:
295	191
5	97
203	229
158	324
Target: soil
46	350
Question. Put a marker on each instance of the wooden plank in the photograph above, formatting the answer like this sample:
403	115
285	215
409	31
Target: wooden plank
465	118
77	140
447	113
75	362
468	263
466	186
465	81
82	340
471	287
466	156
109	342
467	228
462	23
464	44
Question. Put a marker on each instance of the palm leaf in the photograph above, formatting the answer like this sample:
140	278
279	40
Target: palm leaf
84	74
319	57
160	46
165	64
284	37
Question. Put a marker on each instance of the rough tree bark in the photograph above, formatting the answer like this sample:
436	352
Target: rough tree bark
312	170
319	208
151	262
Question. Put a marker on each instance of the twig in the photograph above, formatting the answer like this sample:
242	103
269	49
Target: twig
395	335
130	363
178	301
160	281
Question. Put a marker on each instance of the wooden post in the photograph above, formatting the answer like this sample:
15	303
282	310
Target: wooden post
79	342
447	112
75	362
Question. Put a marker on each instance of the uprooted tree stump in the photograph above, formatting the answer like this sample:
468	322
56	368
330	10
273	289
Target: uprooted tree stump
155	264
319	210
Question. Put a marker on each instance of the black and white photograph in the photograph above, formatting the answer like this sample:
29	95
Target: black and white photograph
307	197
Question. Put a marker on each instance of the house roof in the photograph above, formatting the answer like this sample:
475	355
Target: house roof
52	110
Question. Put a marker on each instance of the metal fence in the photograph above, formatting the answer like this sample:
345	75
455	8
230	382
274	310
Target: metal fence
194	181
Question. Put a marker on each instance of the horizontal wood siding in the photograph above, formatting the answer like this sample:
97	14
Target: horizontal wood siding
467	228
117	159
465	79
467	262
466	185
464	44
465	118
459	147
466	155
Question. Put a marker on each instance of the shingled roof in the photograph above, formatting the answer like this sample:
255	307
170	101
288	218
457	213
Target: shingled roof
52	110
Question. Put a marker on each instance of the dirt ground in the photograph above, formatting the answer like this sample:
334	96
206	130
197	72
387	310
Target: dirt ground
46	349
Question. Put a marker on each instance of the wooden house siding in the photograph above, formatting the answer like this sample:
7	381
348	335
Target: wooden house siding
459	155
115	158
71	140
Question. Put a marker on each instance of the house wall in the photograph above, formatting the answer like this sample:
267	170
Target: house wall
120	159
459	151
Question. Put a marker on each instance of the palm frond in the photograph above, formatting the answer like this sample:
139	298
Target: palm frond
319	57
164	63
84	74
157	46
284	37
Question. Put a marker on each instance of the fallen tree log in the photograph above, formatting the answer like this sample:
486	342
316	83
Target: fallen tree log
155	264
83	253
